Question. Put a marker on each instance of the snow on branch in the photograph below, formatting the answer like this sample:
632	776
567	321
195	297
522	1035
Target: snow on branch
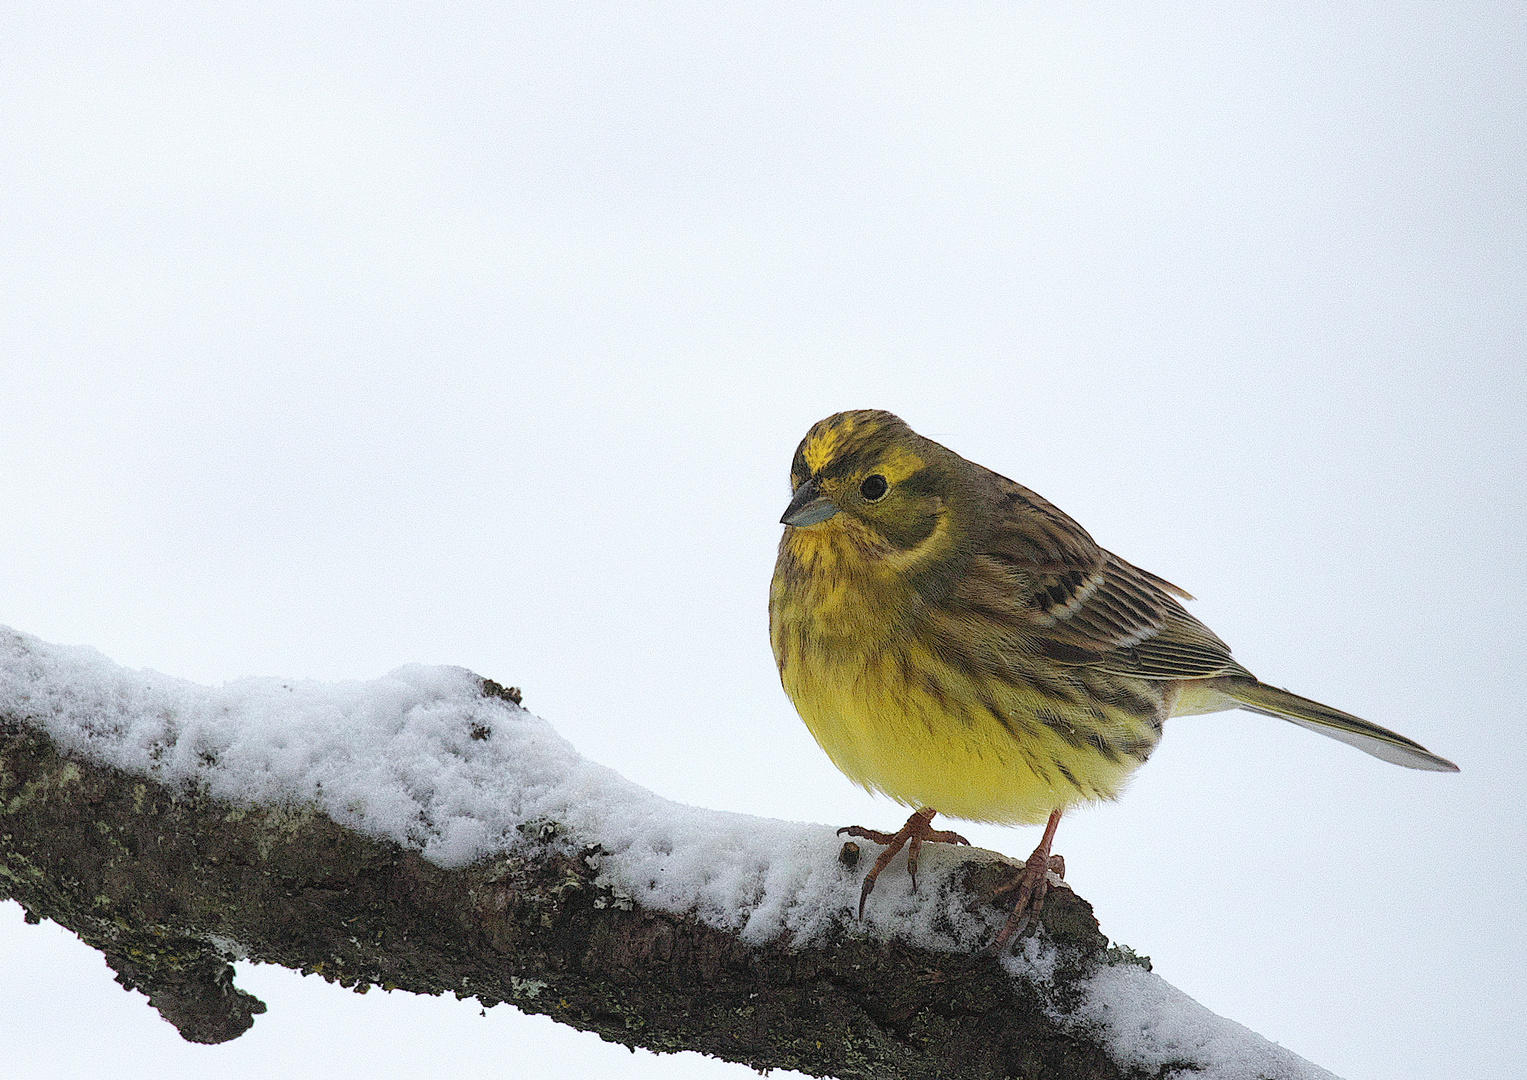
425	832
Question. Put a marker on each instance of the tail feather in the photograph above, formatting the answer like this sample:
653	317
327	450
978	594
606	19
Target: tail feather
1333	723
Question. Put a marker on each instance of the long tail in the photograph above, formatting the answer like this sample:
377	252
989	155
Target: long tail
1354	731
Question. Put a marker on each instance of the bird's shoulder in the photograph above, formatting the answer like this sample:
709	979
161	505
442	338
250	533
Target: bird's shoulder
1083	605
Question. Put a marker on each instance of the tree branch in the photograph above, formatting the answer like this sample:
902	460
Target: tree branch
164	882
170	883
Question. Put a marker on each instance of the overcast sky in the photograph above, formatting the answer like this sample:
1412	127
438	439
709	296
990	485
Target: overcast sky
335	337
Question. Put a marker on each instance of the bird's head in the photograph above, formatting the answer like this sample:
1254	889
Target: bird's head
866	476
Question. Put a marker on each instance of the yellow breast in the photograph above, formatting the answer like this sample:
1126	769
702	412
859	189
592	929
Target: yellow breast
867	665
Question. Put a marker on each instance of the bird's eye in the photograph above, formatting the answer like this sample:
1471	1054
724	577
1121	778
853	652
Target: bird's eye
874	487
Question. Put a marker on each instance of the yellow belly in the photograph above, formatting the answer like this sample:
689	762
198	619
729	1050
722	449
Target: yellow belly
931	741
940	710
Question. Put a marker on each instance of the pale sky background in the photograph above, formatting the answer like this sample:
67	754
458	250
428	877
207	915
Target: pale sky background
335	337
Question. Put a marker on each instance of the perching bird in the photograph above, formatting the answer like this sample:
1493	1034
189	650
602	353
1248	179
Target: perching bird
956	642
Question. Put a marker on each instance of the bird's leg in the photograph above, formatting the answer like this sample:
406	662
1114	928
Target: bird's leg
912	836
1032	884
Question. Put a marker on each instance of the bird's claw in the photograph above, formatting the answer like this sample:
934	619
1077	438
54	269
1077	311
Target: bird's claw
1033	884
912	836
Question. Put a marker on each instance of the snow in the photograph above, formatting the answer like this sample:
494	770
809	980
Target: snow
422	758
1149	1022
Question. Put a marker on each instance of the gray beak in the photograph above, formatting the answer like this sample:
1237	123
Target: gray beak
808	506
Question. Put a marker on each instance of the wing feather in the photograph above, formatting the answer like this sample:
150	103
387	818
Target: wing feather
1087	606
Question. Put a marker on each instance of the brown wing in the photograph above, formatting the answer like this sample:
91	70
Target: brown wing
1087	606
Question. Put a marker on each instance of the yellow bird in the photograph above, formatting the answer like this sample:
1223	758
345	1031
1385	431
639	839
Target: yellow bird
956	642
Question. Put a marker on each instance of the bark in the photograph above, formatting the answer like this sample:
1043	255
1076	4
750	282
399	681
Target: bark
169	884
